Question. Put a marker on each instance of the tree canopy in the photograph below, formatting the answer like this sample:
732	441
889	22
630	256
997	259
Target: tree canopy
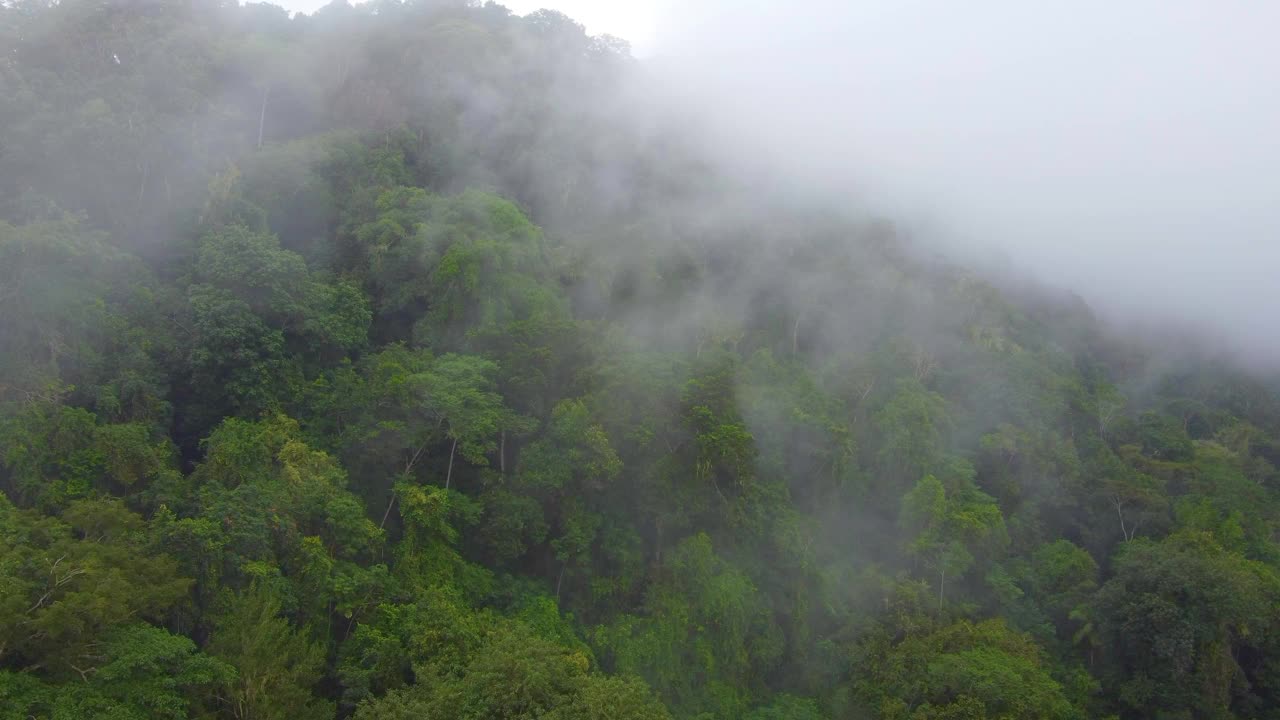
389	362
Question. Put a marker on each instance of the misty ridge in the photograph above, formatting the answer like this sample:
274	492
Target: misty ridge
1117	152
424	359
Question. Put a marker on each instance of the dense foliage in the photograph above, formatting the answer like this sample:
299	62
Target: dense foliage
390	363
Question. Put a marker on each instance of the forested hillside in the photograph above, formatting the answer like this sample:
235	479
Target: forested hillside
398	362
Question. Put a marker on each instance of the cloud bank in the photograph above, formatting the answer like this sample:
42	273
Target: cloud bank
1125	151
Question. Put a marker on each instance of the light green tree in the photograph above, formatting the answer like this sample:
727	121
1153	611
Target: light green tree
948	525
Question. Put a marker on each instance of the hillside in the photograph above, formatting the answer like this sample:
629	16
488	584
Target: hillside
398	361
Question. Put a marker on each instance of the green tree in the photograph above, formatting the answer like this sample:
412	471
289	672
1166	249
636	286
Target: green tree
911	424
1175	622
276	666
140	672
964	670
519	676
53	454
410	403
705	635
265	506
947	527
70	582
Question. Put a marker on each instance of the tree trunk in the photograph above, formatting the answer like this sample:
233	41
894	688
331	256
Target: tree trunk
387	514
449	473
502	453
262	117
408	468
1126	531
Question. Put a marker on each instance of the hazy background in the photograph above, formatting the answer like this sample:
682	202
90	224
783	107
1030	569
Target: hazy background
1128	151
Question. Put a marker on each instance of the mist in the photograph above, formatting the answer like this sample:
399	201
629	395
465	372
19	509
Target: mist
1124	152
435	358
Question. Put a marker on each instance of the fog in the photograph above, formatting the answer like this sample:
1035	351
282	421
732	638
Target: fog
726	378
1125	151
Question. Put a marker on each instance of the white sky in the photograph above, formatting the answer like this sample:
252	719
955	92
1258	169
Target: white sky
1127	150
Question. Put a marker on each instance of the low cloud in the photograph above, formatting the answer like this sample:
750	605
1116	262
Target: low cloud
1127	151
